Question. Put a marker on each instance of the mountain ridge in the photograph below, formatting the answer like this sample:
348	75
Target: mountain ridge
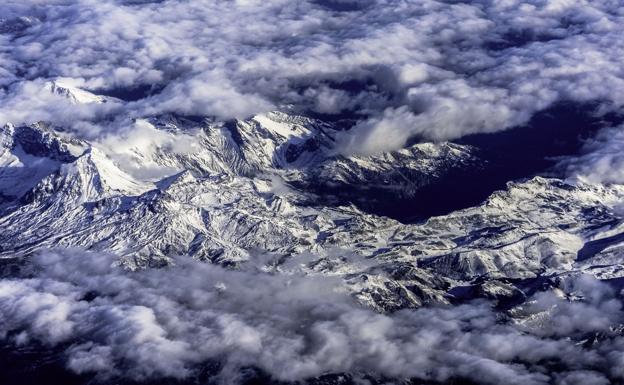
226	198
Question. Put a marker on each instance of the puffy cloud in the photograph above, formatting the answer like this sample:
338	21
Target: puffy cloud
602	159
432	69
165	322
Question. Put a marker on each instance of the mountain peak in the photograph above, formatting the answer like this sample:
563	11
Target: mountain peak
70	89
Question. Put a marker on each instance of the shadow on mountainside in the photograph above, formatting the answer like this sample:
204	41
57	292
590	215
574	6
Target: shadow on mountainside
518	153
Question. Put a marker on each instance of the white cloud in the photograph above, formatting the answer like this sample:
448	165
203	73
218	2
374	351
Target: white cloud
486	65
602	160
164	322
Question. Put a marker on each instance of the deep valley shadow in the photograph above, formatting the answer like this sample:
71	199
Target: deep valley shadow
515	154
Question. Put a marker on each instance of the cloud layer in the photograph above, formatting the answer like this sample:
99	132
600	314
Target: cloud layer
431	69
395	69
164	322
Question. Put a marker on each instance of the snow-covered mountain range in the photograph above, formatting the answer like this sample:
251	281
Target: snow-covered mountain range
256	191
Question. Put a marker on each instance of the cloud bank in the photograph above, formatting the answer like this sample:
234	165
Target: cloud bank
164	322
602	160
435	70
395	70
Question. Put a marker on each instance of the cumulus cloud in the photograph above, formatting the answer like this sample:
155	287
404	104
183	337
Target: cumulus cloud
431	69
165	322
434	70
602	160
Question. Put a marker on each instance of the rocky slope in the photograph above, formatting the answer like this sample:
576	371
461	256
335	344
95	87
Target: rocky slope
249	192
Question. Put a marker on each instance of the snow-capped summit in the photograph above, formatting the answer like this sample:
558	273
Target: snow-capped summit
70	89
